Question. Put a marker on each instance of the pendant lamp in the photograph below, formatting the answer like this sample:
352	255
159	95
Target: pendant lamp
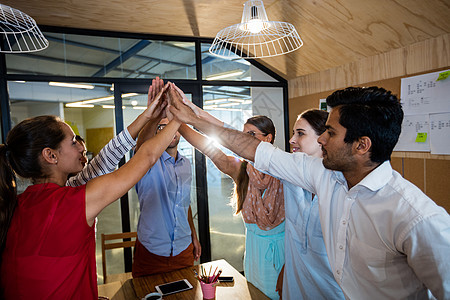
19	32
255	36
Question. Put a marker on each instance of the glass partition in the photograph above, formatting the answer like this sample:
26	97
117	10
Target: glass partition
92	56
235	69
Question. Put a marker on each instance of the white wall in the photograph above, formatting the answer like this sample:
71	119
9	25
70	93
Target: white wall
45	108
75	117
18	113
269	102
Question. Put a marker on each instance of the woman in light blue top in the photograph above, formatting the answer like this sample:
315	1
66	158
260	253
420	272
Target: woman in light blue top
307	272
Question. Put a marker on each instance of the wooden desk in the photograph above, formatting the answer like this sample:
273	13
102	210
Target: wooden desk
117	290
239	289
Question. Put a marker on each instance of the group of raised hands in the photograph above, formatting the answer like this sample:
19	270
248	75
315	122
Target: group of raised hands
169	101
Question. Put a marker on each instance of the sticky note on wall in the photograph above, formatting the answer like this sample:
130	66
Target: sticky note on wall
443	75
421	137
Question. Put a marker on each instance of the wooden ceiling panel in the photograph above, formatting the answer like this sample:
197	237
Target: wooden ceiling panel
335	32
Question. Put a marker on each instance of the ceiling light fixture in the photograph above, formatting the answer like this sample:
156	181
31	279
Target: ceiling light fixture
255	36
75	104
212	101
111	106
220	100
19	32
213	107
72	85
229	104
140	107
225	75
95	100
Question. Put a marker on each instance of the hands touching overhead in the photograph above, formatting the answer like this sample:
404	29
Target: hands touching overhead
180	107
169	101
175	104
157	100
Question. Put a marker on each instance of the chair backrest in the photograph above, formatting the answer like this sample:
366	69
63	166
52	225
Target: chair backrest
114	245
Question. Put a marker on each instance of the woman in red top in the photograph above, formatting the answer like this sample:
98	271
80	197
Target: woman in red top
49	249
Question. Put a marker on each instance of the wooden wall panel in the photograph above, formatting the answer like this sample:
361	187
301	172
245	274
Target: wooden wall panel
300	104
414	169
437	174
397	164
420	57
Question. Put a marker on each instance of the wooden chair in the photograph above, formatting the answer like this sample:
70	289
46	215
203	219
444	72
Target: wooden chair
122	244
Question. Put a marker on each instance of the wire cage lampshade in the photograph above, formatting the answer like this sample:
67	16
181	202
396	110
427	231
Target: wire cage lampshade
256	36
19	32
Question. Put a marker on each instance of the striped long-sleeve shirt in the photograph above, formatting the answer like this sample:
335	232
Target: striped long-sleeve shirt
106	160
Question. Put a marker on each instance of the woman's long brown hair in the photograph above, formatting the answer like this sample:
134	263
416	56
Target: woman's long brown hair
20	155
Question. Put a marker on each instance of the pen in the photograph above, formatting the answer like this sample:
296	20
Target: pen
216	278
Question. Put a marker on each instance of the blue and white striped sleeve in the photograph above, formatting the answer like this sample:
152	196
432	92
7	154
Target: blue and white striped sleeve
106	160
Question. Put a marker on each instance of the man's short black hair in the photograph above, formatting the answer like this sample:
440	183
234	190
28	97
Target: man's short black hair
373	112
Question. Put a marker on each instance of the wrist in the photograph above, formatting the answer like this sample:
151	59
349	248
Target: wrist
176	121
200	120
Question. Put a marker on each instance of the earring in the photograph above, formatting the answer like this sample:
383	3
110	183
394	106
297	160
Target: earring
56	162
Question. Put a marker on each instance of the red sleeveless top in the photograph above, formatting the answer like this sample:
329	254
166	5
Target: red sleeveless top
50	248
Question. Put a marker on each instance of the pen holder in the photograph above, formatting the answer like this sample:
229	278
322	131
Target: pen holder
208	290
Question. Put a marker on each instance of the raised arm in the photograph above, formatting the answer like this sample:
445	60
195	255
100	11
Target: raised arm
106	160
226	164
103	190
109	157
240	143
197	110
149	130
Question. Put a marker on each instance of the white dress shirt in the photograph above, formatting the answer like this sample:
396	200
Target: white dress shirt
385	239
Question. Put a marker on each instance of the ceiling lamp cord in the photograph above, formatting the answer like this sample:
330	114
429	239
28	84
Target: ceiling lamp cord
19	32
255	36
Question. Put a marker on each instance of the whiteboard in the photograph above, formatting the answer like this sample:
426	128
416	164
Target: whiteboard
426	104
440	133
411	126
423	94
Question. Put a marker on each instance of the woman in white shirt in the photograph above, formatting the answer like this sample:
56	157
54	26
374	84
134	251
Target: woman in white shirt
307	273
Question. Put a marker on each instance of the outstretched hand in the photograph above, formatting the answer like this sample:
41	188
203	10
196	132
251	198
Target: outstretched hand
153	91
156	102
197	110
177	108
